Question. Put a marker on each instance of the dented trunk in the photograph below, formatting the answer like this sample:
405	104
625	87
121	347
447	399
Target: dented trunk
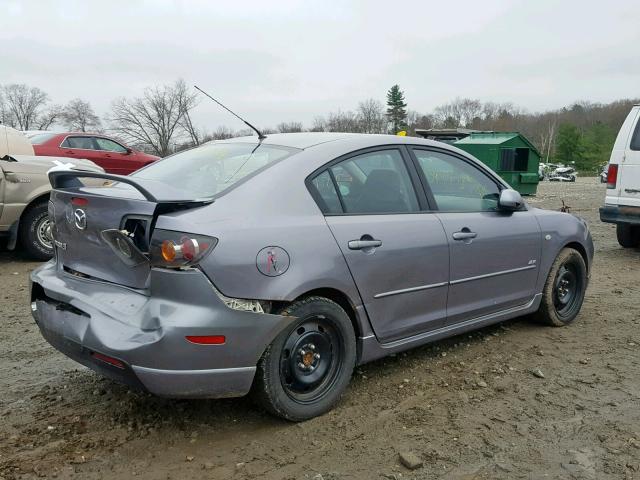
104	232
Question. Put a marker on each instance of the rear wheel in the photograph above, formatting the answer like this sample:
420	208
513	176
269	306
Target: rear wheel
628	235
35	232
303	373
564	289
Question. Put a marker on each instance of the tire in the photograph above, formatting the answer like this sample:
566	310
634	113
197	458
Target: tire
32	233
564	289
628	235
305	370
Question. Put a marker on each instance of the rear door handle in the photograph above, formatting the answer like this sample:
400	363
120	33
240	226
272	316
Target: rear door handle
364	244
464	234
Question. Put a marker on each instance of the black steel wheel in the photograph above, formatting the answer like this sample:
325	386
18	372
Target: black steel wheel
310	359
564	289
306	369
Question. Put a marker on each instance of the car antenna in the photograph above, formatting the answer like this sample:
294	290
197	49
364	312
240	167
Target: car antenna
261	136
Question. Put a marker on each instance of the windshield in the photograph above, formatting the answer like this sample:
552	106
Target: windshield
40	138
209	169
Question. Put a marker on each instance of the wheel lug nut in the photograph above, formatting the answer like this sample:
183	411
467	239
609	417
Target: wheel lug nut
311	346
316	356
302	366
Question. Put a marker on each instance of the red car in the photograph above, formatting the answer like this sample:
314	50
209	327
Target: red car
106	152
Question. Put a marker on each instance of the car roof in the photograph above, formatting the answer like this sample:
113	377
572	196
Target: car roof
306	140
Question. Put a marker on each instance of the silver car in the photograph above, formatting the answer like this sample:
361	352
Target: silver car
276	266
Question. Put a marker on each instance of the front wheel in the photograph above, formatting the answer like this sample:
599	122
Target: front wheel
564	289
35	232
303	373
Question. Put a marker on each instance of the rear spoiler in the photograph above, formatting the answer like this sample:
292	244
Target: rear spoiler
151	190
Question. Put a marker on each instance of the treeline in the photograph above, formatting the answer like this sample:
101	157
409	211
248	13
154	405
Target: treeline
159	120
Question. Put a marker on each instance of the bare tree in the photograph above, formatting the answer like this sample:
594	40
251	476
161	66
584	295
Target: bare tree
222	133
195	134
343	122
154	119
371	115
289	127
319	125
78	116
48	117
23	105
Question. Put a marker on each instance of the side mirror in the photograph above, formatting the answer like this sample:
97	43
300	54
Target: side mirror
510	200
129	151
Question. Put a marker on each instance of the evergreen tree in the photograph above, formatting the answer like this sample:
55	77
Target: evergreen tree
396	109
568	144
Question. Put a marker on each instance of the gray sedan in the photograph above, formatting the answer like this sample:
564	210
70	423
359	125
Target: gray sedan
276	266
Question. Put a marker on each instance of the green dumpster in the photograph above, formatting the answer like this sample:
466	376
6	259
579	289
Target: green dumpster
509	154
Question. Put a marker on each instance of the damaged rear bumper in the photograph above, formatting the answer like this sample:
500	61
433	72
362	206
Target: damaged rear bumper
139	337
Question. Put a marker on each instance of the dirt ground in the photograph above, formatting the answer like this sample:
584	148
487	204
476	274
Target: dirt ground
468	407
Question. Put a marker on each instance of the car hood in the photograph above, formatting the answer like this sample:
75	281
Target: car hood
41	164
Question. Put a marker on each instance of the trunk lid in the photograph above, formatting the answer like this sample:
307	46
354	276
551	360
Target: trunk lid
103	232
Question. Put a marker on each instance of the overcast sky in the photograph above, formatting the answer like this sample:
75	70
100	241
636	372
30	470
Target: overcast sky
293	60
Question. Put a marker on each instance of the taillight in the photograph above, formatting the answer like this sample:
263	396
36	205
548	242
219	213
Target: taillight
612	175
176	249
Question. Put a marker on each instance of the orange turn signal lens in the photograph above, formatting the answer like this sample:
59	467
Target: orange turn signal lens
168	249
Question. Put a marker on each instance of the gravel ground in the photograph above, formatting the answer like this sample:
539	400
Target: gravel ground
515	400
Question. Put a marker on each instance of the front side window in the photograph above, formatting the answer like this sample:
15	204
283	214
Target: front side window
375	182
457	186
85	143
207	170
109	145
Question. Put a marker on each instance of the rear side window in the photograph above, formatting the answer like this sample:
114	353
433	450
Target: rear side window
635	140
375	182
325	192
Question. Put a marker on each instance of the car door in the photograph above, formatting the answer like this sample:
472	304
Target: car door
397	254
116	156
494	256
82	147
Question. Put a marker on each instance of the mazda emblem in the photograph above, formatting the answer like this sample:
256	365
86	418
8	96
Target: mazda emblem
81	219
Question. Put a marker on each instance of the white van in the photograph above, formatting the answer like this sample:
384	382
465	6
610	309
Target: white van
622	201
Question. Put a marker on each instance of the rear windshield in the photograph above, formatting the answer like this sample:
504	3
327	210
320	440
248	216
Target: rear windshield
40	138
207	170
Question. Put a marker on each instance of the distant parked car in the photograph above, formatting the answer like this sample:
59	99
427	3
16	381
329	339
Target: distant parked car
106	152
24	193
604	173
563	174
622	200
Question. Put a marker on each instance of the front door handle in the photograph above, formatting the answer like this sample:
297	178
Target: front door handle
364	244
464	234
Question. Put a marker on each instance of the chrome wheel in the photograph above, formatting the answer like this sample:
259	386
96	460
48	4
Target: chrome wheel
43	233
